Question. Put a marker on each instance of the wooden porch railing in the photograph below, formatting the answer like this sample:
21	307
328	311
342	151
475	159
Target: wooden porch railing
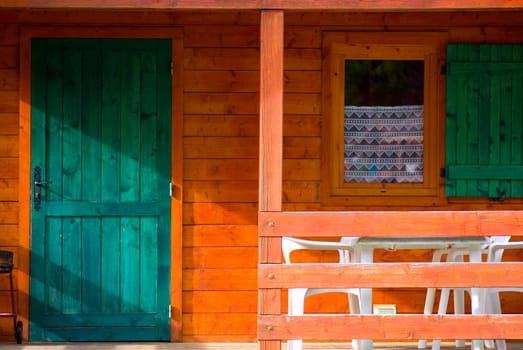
274	277
273	326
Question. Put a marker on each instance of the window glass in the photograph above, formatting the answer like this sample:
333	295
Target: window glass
383	121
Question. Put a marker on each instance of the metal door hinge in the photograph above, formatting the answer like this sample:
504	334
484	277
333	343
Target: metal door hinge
170	309
171	189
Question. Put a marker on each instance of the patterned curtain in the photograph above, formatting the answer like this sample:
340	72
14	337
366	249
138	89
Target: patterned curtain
383	144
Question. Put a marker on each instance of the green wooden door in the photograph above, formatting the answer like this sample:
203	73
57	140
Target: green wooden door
100	245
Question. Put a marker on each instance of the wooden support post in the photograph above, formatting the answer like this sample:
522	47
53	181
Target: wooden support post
271	141
271	110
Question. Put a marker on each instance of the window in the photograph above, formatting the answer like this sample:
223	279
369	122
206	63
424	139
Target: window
382	116
383	121
484	125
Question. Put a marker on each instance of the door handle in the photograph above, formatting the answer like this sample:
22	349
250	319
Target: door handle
38	183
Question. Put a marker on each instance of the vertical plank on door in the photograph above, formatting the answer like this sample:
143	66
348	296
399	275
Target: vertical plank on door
111	229
71	178
165	140
38	102
91	173
129	190
148	180
52	171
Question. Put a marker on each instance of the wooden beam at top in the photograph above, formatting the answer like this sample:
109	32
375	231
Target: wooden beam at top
352	5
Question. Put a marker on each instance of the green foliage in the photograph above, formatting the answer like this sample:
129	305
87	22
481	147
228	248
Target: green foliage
383	83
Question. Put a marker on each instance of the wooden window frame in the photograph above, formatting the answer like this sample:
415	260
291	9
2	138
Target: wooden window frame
340	46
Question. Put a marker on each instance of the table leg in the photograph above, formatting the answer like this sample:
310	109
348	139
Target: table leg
365	256
459	304
476	296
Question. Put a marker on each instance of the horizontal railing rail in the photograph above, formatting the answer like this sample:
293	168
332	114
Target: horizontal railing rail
391	223
389	327
276	277
391	275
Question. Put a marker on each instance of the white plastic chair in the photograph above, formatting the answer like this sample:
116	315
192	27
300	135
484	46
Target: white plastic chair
492	300
452	255
296	298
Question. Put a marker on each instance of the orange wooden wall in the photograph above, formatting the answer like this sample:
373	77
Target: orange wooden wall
8	154
220	145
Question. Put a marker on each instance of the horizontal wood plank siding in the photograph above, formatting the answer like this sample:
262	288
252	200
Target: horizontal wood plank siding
221	61
221	71
8	140
9	161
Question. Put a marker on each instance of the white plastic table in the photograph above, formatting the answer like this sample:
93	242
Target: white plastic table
364	253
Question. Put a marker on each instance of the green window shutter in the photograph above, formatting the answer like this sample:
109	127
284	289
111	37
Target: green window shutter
484	123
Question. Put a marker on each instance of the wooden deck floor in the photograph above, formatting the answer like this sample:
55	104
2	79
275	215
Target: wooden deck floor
219	346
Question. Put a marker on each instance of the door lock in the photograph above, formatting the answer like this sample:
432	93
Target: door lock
38	183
